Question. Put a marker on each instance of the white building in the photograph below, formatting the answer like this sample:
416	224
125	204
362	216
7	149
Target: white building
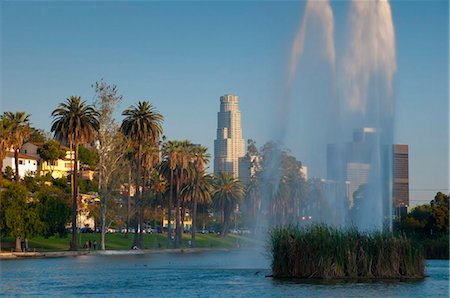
28	165
249	165
229	145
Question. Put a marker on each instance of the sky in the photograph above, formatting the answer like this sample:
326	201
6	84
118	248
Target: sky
182	56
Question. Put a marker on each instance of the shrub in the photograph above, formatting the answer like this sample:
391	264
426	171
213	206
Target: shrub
325	252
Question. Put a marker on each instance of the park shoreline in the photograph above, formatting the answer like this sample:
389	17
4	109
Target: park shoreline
62	254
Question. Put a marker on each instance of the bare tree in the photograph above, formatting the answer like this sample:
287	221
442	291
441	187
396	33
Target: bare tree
111	147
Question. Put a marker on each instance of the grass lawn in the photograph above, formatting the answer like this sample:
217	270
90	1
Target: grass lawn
117	241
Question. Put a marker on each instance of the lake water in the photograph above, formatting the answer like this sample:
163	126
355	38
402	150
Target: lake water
206	274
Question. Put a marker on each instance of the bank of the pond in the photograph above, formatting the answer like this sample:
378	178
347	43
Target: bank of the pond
323	252
118	241
61	254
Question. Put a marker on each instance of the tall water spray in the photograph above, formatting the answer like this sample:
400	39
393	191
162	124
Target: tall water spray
337	111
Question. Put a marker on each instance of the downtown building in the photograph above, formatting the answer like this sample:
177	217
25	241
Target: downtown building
350	166
229	146
400	179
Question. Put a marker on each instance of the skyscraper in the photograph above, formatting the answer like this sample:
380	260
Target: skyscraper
229	145
400	189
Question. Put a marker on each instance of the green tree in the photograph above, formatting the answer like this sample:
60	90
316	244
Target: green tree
37	135
19	214
51	152
168	166
184	157
418	221
75	123
54	210
88	157
5	140
201	158
9	173
439	213
228	192
19	130
142	125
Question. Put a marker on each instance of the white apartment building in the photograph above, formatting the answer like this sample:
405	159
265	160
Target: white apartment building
229	145
28	165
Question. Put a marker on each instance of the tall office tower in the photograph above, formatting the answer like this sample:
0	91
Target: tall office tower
229	145
351	162
400	187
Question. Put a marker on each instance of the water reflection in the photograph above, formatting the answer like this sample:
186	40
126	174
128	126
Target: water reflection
218	274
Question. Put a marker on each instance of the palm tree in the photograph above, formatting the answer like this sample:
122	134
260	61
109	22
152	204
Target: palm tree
150	158
75	123
228	192
201	158
169	165
5	141
253	201
142	125
20	130
158	185
184	157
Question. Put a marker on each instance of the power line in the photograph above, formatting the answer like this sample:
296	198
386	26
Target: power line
429	189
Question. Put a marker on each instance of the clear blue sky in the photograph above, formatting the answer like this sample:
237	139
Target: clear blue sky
183	55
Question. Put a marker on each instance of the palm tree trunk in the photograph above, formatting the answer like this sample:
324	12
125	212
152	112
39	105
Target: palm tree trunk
136	241
194	213
128	201
16	163
18	246
225	223
73	245
169	213
141	215
177	215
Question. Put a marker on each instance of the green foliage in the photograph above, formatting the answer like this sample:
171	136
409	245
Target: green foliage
63	184
87	156
228	192
428	219
439	213
51	151
19	216
88	186
37	135
54	211
324	252
8	173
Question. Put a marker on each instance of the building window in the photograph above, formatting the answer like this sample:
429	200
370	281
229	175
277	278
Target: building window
20	162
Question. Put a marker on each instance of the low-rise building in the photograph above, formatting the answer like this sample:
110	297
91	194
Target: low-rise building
28	165
58	168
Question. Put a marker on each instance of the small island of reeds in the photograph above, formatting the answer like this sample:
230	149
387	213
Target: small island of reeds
323	252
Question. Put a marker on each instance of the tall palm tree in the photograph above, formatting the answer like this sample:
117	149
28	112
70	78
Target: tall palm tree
20	130
169	165
75	123
253	201
228	192
150	158
5	141
201	158
158	185
142	125
184	157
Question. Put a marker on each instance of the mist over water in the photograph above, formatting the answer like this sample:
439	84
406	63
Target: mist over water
330	95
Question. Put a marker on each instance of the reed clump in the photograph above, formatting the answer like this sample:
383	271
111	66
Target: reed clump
326	252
